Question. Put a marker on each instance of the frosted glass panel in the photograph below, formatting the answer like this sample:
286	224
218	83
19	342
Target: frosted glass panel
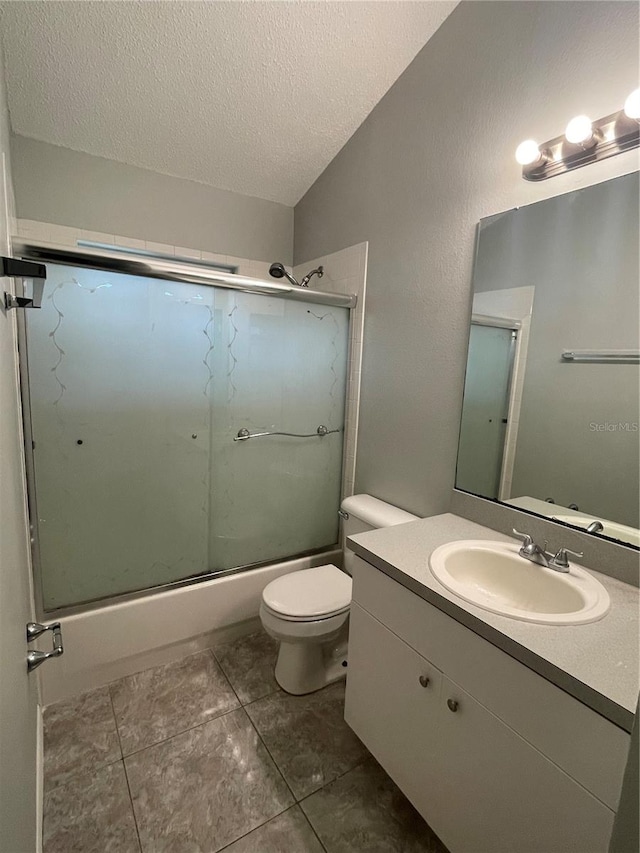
137	389
117	383
279	365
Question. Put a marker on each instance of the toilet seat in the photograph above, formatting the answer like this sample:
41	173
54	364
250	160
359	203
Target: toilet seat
309	595
286	618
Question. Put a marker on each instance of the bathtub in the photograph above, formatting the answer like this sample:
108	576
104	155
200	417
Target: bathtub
110	642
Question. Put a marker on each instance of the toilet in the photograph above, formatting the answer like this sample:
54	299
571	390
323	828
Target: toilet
308	611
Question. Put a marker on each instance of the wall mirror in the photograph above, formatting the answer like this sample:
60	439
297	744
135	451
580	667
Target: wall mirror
551	400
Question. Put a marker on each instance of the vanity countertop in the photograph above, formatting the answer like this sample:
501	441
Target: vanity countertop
597	662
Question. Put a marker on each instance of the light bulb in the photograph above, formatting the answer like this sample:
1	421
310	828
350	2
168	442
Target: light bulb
527	152
579	130
632	105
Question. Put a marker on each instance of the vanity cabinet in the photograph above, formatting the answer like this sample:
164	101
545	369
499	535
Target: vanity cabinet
485	749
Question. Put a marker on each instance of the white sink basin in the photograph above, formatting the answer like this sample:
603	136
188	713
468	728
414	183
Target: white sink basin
492	575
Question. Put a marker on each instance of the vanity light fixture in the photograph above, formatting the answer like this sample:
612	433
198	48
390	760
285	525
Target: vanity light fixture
528	153
584	141
580	131
632	105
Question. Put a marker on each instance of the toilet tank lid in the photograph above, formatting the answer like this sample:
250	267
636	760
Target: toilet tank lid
375	512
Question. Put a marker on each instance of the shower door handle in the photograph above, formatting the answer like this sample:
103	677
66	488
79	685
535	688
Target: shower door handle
35	657
245	435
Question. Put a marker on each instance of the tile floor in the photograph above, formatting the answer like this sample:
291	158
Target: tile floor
208	754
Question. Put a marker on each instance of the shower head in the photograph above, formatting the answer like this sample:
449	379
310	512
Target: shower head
277	270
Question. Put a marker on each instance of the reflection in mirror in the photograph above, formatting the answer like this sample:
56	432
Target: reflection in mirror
551	401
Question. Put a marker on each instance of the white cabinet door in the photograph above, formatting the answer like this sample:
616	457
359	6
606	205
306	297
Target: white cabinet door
497	793
392	704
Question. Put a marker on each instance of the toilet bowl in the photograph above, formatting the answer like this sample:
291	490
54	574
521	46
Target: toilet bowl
308	611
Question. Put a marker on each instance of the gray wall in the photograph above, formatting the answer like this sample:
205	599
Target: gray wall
435	156
54	184
580	252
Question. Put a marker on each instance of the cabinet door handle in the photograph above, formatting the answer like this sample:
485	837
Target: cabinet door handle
424	680
452	705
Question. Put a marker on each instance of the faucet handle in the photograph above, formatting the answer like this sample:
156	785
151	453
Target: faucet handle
526	538
561	559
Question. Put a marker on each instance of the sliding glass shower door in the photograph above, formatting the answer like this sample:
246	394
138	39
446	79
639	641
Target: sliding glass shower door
137	390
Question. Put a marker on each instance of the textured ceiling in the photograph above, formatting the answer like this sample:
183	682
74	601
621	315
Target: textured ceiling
253	97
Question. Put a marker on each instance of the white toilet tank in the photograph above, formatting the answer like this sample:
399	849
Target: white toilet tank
364	512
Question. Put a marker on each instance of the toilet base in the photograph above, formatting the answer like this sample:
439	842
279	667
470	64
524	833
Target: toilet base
306	667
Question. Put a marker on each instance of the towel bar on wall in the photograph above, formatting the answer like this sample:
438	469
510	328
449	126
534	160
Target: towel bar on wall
624	356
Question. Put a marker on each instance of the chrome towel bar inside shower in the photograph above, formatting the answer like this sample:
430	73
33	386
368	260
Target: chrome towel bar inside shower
245	435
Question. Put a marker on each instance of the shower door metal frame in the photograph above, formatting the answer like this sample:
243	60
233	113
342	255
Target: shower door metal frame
147	268
187	273
515	326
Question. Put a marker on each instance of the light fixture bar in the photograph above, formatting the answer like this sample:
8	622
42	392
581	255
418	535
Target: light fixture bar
611	135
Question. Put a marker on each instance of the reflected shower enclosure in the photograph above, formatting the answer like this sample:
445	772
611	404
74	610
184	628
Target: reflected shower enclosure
137	388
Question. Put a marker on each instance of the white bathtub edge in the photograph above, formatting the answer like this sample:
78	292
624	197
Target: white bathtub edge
105	644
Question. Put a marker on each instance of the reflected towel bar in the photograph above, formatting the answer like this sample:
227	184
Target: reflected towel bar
245	435
626	356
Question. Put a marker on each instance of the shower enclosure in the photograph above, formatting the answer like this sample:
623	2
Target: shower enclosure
180	429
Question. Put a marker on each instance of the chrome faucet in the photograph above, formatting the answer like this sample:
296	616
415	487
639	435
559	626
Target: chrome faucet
595	527
559	561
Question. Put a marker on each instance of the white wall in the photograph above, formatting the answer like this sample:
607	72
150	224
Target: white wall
66	187
435	156
18	694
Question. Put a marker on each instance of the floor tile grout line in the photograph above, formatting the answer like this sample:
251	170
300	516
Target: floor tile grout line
126	775
276	689
299	803
358	763
312	827
115	721
273	692
199	725
240	707
183	731
311	793
225	676
256	828
48	786
331	781
125	677
156	666
133	808
275	763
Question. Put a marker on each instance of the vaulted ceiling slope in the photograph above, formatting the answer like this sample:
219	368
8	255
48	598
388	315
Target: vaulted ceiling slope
252	97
